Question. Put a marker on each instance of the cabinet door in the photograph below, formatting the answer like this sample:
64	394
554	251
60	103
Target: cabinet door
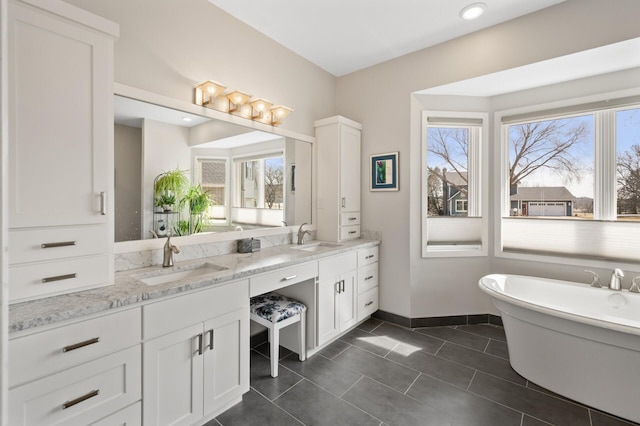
348	303
226	359
349	169
173	378
60	120
328	310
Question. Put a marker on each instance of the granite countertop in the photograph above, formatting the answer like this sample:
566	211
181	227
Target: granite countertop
128	290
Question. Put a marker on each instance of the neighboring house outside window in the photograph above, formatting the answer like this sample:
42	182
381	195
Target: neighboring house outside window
541	201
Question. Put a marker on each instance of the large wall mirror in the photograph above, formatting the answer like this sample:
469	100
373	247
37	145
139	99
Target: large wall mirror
252	178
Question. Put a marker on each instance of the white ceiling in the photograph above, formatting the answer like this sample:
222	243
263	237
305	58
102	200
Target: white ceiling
342	36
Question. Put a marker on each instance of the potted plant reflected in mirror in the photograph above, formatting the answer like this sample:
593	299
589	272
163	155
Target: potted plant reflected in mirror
170	183
166	201
198	201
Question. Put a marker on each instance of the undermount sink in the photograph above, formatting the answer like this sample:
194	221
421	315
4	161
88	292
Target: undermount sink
316	246
164	276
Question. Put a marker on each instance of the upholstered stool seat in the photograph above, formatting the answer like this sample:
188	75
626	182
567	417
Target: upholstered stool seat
276	311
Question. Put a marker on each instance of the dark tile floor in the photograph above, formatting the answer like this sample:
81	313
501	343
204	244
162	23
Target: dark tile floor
383	374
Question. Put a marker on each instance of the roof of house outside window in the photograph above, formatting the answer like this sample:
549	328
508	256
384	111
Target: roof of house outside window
543	193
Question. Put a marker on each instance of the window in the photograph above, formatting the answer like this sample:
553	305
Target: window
260	182
453	200
211	174
571	181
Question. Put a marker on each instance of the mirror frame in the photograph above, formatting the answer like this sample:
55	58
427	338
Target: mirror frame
154	98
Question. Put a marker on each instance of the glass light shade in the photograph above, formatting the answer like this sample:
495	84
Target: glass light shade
207	91
259	106
237	99
279	113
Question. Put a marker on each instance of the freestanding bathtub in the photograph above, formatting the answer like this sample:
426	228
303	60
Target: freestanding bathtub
578	341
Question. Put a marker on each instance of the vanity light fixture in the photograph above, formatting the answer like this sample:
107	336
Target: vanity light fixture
473	11
207	92
278	113
258	107
236	100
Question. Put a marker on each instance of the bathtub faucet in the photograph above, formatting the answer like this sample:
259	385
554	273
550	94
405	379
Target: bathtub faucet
616	279
596	279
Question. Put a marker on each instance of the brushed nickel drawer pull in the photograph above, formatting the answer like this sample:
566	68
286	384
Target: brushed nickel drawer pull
289	278
103	203
366	305
353	218
211	339
352	232
60	244
369	257
79	345
78	400
370	277
59	278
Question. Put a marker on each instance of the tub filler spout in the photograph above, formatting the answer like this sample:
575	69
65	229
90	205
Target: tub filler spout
616	279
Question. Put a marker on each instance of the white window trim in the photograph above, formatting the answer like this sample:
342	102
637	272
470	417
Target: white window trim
227	181
605	157
478	166
462	201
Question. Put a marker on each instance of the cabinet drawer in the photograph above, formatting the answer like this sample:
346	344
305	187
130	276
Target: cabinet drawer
337	265
35	245
367	277
282	278
38	355
27	282
367	256
367	303
352	218
182	311
351	232
80	395
130	416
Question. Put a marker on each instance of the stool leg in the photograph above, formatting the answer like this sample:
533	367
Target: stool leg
303	331
275	346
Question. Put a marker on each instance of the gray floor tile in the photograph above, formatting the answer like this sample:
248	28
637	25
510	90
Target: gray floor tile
327	374
370	324
454	335
498	348
379	345
450	372
255	410
265	349
601	419
466	408
387	372
480	361
394	408
327	409
486	330
536	404
410	339
334	349
260	377
530	421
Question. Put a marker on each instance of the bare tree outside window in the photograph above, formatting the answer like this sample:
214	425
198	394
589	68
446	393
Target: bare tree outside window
273	184
628	166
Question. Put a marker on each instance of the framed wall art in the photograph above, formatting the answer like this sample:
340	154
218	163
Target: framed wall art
384	172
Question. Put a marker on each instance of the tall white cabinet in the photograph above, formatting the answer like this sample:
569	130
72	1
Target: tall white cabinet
60	148
338	178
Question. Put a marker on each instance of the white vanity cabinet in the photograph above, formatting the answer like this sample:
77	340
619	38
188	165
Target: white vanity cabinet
79	373
60	148
367	282
337	296
195	354
338	183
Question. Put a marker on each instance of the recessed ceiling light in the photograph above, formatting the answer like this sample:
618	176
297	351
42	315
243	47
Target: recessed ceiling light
186	119
473	11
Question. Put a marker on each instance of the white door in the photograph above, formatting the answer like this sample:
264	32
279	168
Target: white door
173	378
328	310
348	303
60	121
226	359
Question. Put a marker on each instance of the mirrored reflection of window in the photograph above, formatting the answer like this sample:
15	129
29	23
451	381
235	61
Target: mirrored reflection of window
628	164
211	173
260	183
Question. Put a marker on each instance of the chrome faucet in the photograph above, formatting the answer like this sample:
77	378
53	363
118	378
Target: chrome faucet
169	250
302	233
616	279
635	286
596	279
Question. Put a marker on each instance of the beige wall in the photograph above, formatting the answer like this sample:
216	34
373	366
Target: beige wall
168	46
128	182
380	98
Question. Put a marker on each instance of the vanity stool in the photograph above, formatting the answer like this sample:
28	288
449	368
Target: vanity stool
276	311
